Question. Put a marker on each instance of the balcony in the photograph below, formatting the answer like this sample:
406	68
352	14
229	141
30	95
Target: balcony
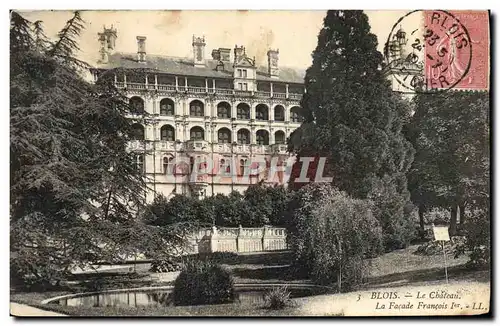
169	145
139	145
198	146
279	148
260	149
203	90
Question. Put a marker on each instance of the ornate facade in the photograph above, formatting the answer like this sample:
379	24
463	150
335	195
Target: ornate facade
215	117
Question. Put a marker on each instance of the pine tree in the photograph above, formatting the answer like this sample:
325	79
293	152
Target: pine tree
353	117
75	191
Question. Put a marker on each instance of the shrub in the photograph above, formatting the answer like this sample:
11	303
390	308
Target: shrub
203	282
477	238
278	298
331	234
165	265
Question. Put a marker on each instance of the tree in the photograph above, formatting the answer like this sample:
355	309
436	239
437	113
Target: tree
353	117
75	190
332	234
450	131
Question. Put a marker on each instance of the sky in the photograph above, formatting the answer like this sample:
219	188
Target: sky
170	33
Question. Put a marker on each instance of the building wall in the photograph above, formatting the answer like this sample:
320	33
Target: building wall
153	149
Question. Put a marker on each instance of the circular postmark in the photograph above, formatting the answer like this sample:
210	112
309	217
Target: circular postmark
427	51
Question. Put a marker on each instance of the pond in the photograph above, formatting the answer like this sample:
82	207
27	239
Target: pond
162	297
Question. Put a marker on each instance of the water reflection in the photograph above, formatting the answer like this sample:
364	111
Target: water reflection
160	298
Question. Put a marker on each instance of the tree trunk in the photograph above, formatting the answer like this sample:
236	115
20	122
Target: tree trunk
453	220
421	211
462	213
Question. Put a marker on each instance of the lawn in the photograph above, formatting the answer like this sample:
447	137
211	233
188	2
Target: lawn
412	269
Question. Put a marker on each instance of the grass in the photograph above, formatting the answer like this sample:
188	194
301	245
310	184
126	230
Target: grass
268	268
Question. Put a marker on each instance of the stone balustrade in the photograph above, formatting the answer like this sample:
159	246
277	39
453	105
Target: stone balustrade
240	239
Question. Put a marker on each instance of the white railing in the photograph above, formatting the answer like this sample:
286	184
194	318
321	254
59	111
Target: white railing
201	90
240	239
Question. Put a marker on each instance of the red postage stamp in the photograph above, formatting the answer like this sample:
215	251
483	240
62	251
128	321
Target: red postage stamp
457	49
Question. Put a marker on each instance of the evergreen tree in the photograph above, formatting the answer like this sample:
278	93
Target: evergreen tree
353	116
75	190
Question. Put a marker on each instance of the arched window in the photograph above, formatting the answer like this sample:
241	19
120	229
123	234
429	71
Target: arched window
136	105
243	111
137	131
167	132
225	166
244	165
279	137
197	133
224	110
167	107
294	115
196	109
262	137
139	163
279	113
262	112
243	136
168	165
224	136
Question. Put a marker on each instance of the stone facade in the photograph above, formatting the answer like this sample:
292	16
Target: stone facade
192	111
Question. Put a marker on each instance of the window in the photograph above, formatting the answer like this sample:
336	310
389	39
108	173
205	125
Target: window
224	110
196	109
166	107
244	73
139	163
262	137
279	137
243	111
279	113
245	86
261	112
137	132
240	74
168	164
167	133
244	165
225	166
243	136
224	136
136	105
197	133
294	115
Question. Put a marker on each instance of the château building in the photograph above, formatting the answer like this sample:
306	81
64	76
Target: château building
223	109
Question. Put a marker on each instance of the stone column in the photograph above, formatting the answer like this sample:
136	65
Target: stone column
287	114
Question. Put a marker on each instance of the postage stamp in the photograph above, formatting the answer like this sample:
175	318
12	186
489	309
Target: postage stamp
437	50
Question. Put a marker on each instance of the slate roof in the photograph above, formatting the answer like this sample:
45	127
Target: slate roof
185	67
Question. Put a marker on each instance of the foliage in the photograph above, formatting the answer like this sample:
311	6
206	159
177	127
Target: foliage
259	205
353	118
478	238
164	266
431	248
75	190
450	132
332	234
203	282
278	298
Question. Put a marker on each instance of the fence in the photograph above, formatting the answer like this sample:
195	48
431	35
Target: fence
238	240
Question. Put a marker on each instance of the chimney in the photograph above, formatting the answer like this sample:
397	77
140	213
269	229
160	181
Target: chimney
225	54
272	63
199	51
141	48
239	52
216	54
